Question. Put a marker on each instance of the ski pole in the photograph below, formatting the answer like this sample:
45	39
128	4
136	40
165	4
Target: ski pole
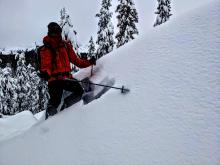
122	89
91	71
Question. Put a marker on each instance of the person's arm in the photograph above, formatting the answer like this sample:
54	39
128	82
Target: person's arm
76	60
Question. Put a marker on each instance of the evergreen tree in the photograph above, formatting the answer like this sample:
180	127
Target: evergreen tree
8	95
127	19
91	48
105	40
24	86
2	92
163	12
24	92
1	73
43	95
68	33
33	98
39	95
62	17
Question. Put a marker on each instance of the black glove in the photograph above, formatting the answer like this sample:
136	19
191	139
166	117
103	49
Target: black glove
44	75
92	60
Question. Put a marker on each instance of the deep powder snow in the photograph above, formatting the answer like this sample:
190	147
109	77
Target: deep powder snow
171	116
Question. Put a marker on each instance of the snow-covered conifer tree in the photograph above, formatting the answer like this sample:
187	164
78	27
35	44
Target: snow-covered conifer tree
1	70
163	12
2	96
68	32
91	48
62	17
43	95
8	95
65	23
24	86
105	40
33	98
127	19
38	95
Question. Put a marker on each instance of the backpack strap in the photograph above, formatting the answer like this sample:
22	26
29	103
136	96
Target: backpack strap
54	54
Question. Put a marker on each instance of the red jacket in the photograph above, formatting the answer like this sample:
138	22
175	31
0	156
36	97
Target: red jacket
55	58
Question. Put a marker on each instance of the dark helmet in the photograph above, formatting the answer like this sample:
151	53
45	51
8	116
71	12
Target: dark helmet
54	28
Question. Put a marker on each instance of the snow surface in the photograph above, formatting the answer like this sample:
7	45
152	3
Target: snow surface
170	117
11	126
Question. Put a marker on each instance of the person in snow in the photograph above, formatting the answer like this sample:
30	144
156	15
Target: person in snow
55	57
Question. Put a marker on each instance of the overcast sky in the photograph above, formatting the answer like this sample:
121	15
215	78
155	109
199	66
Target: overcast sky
24	22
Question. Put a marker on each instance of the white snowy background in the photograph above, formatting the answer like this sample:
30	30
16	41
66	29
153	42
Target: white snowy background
171	116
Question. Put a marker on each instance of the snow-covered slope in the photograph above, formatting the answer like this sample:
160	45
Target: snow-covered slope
11	126
171	116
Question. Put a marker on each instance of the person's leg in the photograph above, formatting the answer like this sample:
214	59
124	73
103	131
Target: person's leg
75	96
55	92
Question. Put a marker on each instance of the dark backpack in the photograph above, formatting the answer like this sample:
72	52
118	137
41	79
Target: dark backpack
38	57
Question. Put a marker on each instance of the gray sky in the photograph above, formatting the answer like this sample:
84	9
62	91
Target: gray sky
24	22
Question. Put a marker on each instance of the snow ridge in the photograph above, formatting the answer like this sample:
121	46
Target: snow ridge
170	117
